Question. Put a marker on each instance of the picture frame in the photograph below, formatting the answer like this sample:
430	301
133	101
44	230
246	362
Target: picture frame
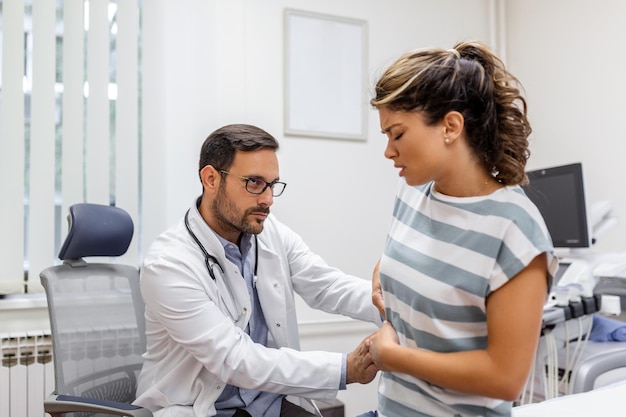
325	82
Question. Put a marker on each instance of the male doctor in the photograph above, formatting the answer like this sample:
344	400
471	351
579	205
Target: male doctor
218	287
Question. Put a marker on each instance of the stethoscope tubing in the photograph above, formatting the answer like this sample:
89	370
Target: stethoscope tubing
208	259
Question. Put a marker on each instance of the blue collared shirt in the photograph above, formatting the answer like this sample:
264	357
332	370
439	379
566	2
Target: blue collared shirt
257	403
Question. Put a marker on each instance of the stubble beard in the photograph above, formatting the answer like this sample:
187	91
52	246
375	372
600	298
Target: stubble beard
227	215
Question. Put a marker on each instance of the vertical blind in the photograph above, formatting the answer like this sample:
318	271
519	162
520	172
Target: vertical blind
69	124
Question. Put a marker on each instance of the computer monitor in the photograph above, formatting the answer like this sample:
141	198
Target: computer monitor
559	194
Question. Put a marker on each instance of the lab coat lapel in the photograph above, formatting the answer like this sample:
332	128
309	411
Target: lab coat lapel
274	294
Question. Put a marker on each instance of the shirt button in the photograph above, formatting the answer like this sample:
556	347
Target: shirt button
277	324
219	387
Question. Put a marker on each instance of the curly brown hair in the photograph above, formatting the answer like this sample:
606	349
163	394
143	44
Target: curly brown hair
472	80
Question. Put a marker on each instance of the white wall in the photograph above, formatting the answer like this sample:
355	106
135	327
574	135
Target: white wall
570	56
209	63
222	62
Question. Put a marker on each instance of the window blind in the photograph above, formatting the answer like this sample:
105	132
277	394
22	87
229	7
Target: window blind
12	148
69	125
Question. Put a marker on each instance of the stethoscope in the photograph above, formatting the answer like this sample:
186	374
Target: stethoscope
208	259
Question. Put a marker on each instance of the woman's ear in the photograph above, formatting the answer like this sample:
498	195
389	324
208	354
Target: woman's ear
210	179
453	123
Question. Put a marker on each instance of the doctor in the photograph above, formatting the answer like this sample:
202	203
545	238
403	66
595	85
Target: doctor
219	292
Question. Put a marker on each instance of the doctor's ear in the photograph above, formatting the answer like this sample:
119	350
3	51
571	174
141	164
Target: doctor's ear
210	178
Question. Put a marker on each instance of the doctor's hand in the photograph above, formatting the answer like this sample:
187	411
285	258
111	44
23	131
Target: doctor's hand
377	291
360	367
382	345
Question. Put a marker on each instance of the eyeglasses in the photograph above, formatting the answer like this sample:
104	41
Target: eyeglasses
258	186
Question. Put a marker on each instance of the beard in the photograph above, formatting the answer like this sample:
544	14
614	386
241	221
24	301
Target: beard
232	219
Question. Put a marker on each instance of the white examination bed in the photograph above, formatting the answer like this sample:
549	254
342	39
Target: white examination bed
607	401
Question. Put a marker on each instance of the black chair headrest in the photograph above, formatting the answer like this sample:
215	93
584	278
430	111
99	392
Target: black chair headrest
96	230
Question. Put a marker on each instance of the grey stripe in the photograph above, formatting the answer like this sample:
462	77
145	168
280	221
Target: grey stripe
394	409
527	224
436	269
476	241
429	341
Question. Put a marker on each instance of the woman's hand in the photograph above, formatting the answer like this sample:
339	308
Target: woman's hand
377	291
381	345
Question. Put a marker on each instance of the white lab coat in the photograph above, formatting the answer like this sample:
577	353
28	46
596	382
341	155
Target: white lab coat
195	346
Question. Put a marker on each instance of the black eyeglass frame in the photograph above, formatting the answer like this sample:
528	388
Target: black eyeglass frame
269	185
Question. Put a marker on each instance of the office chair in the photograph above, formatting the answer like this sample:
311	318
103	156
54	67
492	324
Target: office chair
96	317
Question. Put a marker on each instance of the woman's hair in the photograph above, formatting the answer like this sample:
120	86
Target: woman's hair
473	81
220	147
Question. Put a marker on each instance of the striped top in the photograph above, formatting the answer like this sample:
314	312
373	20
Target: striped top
443	256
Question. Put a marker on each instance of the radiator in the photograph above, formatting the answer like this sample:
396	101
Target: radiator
26	373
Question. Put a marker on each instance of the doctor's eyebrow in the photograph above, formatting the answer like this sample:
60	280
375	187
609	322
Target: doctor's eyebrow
261	177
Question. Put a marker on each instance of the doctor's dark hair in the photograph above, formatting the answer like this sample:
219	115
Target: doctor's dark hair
473	81
220	147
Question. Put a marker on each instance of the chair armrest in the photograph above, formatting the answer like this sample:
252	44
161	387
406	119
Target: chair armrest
56	404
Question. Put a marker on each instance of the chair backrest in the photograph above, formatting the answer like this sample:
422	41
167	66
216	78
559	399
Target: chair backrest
96	310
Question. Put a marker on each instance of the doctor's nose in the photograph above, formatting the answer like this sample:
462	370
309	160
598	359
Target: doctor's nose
266	197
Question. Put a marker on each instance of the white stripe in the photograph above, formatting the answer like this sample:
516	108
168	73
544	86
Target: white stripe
458	216
428	287
468	260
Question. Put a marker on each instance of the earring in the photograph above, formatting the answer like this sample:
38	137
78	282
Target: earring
447	140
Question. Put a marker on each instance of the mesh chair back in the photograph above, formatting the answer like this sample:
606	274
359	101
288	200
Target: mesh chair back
96	319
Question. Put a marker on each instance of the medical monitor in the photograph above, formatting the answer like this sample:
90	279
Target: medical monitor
559	194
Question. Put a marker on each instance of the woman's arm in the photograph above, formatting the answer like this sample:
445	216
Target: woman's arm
514	314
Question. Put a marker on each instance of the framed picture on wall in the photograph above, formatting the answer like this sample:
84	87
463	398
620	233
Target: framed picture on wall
326	91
